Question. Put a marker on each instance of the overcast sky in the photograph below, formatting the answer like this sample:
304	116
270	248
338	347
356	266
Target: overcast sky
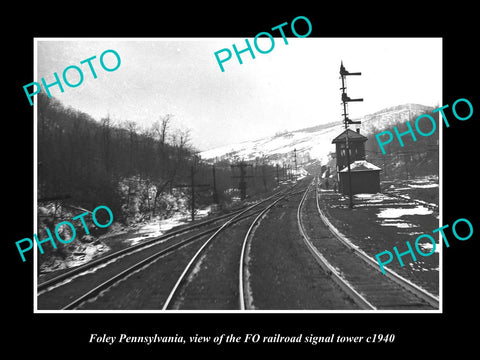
292	87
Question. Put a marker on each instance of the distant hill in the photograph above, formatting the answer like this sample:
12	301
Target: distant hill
313	143
309	143
386	118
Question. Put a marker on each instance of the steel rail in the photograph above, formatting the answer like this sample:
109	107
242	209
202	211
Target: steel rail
116	278
104	259
242	280
431	299
143	263
326	266
193	260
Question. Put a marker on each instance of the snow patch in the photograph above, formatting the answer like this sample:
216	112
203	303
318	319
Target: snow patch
427	247
371	198
80	254
392	216
398	224
423	186
157	227
361	165
399	212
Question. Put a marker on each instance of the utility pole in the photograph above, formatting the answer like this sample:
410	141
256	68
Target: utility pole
192	187
347	122
264	178
295	158
215	195
406	157
385	167
242	185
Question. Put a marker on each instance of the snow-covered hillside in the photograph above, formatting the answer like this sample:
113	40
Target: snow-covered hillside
385	118
311	143
279	148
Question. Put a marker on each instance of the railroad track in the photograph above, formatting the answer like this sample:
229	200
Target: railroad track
133	259
352	269
79	270
199	287
335	274
245	301
206	281
276	271
355	272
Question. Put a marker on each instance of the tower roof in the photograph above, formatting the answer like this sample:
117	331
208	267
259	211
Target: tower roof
352	136
361	165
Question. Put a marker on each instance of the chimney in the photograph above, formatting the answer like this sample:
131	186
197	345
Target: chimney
358	130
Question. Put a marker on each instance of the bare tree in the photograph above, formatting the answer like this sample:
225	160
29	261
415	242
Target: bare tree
160	128
181	140
164	126
106	137
156	130
131	126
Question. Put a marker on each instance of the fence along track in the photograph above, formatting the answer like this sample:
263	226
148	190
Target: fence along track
431	299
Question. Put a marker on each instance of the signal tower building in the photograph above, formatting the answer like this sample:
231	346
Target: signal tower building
354	174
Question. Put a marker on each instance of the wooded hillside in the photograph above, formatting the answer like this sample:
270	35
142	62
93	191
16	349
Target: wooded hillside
415	158
124	166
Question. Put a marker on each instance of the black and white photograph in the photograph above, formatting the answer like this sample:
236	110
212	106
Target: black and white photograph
230	191
216	182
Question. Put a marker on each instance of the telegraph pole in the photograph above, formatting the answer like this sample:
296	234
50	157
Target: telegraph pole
385	167
215	195
347	122
192	187
242	184
295	158
264	178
